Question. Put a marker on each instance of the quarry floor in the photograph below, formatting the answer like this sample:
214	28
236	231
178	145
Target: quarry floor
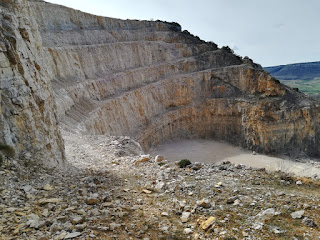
208	151
107	190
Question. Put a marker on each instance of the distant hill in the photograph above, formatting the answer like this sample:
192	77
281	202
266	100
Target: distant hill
305	76
297	71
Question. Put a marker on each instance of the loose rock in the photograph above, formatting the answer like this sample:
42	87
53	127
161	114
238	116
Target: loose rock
206	224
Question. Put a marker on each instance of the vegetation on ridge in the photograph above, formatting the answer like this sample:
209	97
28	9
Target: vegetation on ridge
304	76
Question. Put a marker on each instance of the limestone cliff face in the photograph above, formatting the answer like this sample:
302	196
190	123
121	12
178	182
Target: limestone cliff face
153	82
28	119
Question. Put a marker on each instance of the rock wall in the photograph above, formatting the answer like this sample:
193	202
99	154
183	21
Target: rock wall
28	119
153	82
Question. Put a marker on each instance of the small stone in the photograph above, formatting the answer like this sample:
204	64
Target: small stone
245	234
72	235
239	166
47	187
297	214
185	217
16	231
96	212
205	203
190	193
143	158
34	221
299	182
196	166
196	236
159	187
45	213
165	228
206	224
27	188
49	200
277	230
231	200
113	226
236	202
266	214
307	206
165	214
146	191
309	222
80	227
77	220
19	214
70	209
82	212
107	204
92	201
188	231
158	158
55	227
257	225
11	209
218	185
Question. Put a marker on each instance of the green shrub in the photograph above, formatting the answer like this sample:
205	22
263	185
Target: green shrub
276	80
183	163
7	151
227	48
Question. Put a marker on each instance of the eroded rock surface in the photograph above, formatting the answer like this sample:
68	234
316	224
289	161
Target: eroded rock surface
28	119
147	80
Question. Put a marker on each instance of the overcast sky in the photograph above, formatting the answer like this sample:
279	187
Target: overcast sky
271	32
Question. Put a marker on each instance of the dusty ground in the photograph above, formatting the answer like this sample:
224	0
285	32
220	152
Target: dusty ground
106	192
207	151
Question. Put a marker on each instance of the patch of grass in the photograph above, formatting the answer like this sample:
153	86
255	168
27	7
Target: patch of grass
310	87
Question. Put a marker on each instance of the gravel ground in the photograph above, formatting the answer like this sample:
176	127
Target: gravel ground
110	190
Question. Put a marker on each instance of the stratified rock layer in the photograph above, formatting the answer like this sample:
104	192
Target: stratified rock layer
28	119
153	82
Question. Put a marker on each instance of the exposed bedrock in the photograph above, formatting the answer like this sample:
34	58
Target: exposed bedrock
147	80
28	116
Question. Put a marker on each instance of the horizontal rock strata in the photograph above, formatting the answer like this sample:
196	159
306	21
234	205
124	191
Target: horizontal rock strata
150	81
28	116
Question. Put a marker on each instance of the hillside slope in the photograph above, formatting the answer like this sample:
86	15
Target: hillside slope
297	71
305	76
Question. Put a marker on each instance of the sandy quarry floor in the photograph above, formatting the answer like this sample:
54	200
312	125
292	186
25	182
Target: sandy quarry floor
207	151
